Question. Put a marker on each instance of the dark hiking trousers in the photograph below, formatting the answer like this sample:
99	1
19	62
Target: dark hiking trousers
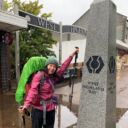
37	119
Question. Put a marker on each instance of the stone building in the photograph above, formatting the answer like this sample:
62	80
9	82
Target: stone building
121	31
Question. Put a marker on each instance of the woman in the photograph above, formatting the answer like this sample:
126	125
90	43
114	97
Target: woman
43	114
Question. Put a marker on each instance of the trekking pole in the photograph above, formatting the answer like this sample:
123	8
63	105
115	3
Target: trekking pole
59	111
22	118
21	121
71	82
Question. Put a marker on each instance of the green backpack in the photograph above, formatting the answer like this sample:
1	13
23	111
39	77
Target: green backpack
33	65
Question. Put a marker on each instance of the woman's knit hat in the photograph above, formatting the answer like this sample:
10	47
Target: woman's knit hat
52	60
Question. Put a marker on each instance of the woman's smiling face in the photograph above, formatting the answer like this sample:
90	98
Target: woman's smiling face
51	68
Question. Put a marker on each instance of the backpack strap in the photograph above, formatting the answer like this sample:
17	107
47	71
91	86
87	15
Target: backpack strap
42	79
52	85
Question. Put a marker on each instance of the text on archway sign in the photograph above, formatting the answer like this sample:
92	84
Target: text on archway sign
43	23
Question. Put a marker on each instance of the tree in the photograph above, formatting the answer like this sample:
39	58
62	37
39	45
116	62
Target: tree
38	43
6	5
33	41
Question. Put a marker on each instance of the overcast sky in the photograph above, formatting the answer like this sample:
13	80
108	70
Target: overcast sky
68	11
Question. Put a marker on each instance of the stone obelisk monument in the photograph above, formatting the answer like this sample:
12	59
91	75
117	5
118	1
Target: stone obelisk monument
98	94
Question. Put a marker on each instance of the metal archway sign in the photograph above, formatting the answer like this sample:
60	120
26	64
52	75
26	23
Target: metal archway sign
43	23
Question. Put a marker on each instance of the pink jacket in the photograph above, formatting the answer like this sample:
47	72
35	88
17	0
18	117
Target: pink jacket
46	90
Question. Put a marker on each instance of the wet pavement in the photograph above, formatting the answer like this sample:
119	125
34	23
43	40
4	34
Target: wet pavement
122	90
9	117
67	118
8	111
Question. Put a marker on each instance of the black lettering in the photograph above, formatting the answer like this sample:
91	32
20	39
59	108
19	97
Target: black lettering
42	22
50	25
92	91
